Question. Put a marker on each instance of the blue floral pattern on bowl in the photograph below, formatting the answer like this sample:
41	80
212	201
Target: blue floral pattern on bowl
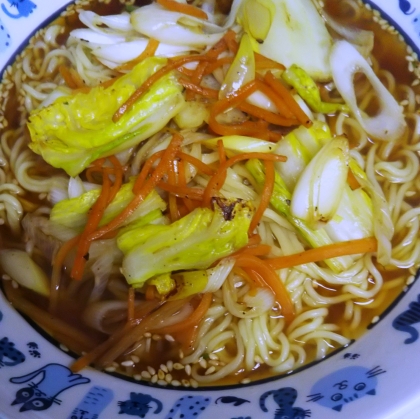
371	378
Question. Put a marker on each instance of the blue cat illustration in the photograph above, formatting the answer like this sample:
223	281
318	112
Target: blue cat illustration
345	386
405	7
8	351
188	407
51	380
94	402
138	405
24	8
407	318
285	398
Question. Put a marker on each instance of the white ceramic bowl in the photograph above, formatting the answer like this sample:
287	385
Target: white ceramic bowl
376	377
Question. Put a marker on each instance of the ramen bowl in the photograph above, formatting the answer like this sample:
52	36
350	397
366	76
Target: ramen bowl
374	376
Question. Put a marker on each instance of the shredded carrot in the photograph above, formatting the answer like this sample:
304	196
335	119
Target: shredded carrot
352	247
95	215
173	205
268	116
130	304
230	39
216	182
256	250
145	171
71	77
192	320
150	292
117	171
198	164
141	193
219	63
263	63
138	93
149	51
285	94
187	9
203	91
195	194
352	181
221	151
271	280
265	195
187	339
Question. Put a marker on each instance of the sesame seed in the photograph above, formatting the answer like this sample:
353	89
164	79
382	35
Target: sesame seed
203	363
188	369
211	370
181	354
161	375
135	359
154	379
178	366
164	368
15	285
186	383
62	346
6	277
170	365
194	383
151	370
110	369
162	382
246	381
157	337
147	335
128	363
213	357
175	383
168	378
137	377
146	375
169	338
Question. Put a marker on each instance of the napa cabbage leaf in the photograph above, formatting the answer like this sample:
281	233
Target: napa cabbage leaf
78	129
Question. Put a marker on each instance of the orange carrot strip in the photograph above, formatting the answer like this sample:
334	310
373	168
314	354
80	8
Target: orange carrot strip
198	164
281	105
150	293
271	280
258	250
173	206
71	77
221	151
265	195
138	93
187	9
268	116
203	91
142	192
285	94
192	320
195	194
130	304
352	181
118	173
230	39
95	215
220	62
351	247
216	182
149	51
141	178
262	63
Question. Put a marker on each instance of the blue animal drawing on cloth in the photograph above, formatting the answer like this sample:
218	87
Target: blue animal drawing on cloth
344	386
407	318
4	37
24	8
8	351
405	7
188	407
44	385
285	398
94	402
138	405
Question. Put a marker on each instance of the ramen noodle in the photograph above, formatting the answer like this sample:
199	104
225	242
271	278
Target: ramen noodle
200	195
